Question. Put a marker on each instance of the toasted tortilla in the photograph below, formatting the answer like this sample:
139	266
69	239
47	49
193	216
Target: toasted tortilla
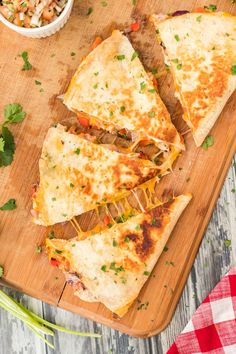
112	86
77	176
201	50
113	265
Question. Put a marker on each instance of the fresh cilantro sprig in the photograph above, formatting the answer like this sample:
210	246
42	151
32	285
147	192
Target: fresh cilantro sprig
13	113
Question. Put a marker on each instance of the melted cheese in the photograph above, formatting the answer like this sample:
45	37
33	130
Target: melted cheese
76	176
114	264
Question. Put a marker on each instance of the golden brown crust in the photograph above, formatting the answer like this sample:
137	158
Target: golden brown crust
201	64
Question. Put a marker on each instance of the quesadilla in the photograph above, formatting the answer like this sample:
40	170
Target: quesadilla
77	176
113	265
112	91
201	50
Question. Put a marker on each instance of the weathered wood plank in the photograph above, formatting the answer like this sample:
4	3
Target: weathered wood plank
213	260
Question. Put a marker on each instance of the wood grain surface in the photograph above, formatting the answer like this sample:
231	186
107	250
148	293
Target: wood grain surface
196	171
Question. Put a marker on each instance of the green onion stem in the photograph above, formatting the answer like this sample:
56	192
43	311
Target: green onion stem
27	320
35	322
41	337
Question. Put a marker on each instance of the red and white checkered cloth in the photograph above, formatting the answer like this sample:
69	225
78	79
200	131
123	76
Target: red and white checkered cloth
212	328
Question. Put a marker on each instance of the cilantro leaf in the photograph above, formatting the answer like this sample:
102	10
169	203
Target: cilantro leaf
13	113
208	142
1	271
10	205
6	156
27	65
2	143
227	243
233	69
211	7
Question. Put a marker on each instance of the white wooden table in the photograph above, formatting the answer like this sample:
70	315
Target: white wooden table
213	260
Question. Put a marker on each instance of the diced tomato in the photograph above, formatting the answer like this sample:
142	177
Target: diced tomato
83	121
96	42
106	220
54	262
154	81
135	26
199	9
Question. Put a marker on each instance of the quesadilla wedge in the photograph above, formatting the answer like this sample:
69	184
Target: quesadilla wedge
76	176
201	50
112	266
111	90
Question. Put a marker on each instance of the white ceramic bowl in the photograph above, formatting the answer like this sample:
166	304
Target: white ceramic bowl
44	31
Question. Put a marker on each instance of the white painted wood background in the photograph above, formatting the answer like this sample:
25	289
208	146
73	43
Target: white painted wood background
213	260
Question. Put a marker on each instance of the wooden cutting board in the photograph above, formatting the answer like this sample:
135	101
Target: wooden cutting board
197	171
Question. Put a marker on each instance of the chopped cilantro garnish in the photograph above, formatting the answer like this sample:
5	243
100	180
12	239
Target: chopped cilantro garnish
96	74
1	271
199	18
104	268
176	60
146	273
95	86
152	90
120	57
157	31
111	114
122	108
212	8
116	269
51	235
57	252
208	142
90	10
73	245
233	69
39	249
72	54
165	249
179	66
37	82
137	227
27	65
77	151
114	243
135	55
227	243
233	190
154	71
72	185
177	38
109	225
10	205
143	85
151	114
154	221
126	239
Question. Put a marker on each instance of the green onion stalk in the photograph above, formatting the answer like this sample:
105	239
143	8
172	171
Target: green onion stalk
35	323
